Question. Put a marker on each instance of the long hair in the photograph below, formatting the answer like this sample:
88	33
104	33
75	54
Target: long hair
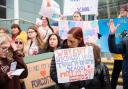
4	39
48	23
48	47
16	26
77	34
38	37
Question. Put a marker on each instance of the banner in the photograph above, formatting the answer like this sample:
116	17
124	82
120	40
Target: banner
86	7
39	75
50	9
104	31
90	29
74	64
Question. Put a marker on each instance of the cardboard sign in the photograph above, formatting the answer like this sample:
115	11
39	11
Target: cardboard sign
38	75
74	64
86	7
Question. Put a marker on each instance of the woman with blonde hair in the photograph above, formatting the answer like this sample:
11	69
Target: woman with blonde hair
9	54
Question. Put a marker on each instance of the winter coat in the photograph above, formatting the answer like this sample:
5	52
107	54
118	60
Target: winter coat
121	48
14	83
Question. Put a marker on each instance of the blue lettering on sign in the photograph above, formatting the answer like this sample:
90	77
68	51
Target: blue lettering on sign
83	9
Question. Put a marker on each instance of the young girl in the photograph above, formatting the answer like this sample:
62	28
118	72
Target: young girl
101	77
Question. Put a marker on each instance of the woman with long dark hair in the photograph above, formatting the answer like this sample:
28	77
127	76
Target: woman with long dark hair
45	29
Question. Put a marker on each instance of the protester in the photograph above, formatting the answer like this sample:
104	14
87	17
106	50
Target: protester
15	31
52	43
35	42
20	42
3	30
123	11
121	48
9	54
101	78
77	16
118	59
45	30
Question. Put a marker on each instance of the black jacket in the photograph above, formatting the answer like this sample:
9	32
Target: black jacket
121	48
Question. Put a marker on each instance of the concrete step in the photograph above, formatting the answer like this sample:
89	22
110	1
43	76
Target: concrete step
109	64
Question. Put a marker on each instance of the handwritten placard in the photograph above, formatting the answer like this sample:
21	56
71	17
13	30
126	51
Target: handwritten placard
89	29
38	75
86	7
74	64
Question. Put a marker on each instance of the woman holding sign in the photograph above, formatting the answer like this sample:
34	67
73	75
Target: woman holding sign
101	77
10	60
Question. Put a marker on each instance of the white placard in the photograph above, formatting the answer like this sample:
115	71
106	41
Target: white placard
50	9
17	72
86	7
74	64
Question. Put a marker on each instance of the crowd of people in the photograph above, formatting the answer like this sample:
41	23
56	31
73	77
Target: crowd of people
43	38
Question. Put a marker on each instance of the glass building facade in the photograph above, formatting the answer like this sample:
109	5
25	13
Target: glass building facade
28	9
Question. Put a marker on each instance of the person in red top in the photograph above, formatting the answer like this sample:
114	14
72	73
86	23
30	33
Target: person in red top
15	31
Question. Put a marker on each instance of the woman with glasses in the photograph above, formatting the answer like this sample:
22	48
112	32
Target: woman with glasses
20	42
35	42
9	54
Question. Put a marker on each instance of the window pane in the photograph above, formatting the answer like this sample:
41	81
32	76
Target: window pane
2	12
3	2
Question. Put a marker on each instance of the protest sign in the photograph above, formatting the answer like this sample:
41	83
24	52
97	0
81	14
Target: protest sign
39	75
50	9
104	31
90	29
86	7
74	64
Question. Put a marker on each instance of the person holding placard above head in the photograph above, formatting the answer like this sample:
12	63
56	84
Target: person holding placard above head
101	78
77	16
12	66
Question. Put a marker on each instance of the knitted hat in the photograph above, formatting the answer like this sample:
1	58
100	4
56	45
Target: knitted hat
22	36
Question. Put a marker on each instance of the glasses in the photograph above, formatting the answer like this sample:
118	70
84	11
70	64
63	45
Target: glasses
18	42
30	31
